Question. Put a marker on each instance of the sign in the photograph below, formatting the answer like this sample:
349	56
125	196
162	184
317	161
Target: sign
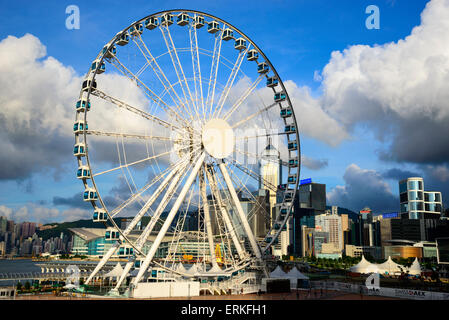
305	181
390	215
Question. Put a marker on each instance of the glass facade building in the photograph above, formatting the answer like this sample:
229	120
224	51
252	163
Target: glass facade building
416	203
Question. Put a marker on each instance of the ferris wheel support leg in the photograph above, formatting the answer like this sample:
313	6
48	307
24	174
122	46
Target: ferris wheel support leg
210	238
150	201
235	198
225	215
169	219
103	261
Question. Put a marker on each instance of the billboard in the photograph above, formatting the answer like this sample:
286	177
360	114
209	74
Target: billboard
390	215
442	250
305	181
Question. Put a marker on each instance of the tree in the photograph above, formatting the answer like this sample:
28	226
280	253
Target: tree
19	286
27	285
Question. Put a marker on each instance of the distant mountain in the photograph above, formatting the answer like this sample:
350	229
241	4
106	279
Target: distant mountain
352	215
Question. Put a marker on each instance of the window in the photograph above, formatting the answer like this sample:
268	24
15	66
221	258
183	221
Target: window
403	187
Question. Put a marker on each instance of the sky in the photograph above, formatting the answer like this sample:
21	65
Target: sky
371	104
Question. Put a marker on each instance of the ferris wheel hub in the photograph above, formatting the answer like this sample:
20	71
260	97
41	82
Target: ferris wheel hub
217	137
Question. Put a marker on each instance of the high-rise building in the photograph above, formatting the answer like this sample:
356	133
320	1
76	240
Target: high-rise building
417	203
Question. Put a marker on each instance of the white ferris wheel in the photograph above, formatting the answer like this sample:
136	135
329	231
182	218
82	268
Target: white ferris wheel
174	118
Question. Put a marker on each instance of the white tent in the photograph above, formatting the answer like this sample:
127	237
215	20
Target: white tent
390	267
364	267
415	268
216	270
116	272
193	269
278	273
295	274
180	268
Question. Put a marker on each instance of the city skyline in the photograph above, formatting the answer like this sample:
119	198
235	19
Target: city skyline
360	156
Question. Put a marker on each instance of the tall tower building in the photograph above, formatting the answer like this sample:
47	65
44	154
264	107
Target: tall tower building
270	171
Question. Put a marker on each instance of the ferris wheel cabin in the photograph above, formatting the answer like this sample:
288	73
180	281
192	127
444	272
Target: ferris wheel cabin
286	112
83	172
252	55
293	162
183	19
290	129
79	126
213	27
90	194
99	67
79	150
123	39
81	105
100	215
136	29
280	96
167	19
292	179
89	83
240	44
151	23
272	82
198	22
292	146
227	34
125	251
109	53
111	234
262	67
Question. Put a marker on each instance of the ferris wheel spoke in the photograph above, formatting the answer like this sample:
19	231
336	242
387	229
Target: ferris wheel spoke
147	91
171	170
135	162
128	135
169	218
149	228
230	227
230	82
178	68
252	116
243	186
121	104
255	156
152	62
214	70
254	175
207	218
255	246
196	67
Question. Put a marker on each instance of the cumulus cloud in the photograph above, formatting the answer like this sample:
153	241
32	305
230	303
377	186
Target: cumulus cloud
401	89
36	95
314	164
41	214
363	188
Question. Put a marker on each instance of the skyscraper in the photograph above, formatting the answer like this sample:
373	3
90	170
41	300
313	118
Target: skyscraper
417	203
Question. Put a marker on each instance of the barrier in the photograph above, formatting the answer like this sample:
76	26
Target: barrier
384	292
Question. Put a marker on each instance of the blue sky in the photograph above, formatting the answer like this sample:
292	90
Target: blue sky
297	36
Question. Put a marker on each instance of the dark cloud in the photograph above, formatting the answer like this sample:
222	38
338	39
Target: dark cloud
363	188
398	174
76	201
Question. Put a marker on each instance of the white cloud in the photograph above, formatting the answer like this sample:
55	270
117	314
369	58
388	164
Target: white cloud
401	88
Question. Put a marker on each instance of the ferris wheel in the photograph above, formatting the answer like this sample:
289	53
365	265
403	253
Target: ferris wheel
184	126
